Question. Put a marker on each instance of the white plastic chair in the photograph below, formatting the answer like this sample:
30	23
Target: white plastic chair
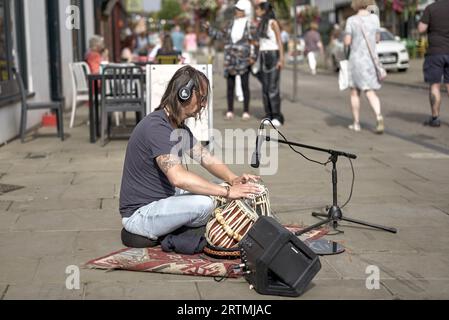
79	72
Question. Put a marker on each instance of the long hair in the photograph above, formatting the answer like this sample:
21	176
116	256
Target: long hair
167	44
269	15
170	100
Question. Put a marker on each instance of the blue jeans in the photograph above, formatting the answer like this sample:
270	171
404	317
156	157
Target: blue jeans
164	216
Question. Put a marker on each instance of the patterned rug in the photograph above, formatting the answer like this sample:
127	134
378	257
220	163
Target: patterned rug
156	260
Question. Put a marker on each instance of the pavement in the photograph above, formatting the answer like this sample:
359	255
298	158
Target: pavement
67	211
412	78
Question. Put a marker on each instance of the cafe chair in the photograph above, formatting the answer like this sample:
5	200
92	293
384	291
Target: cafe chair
121	91
56	106
80	89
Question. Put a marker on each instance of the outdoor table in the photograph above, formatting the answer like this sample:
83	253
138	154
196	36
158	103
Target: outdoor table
94	104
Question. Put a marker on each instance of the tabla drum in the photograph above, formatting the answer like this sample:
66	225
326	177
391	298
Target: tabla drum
260	202
219	200
227	227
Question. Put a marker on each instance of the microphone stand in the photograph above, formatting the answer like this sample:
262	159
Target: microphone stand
334	213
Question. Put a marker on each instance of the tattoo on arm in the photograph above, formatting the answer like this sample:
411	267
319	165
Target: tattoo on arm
200	154
167	161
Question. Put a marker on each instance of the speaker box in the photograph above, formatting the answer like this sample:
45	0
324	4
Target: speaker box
277	262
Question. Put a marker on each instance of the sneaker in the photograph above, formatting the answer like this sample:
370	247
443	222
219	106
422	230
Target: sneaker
380	125
276	123
246	116
266	122
229	115
434	122
355	127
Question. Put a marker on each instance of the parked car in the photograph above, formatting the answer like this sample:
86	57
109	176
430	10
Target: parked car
391	51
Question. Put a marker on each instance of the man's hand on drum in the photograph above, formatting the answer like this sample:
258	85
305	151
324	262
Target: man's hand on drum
242	190
245	178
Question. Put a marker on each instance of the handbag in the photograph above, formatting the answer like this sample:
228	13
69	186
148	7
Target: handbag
255	68
380	71
343	75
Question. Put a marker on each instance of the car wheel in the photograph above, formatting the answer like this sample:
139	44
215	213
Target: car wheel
402	70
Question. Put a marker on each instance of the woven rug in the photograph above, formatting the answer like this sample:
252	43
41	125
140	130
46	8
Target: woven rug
156	260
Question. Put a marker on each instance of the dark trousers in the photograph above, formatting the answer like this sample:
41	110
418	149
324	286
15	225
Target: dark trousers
270	77
245	89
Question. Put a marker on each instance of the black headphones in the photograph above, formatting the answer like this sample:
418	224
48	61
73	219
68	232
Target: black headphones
185	92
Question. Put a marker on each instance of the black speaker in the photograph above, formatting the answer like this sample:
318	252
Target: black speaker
277	262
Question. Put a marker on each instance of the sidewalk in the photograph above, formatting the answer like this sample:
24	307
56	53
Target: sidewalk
67	214
412	78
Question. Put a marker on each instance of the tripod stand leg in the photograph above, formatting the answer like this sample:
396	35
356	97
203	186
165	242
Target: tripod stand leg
392	230
316	225
319	214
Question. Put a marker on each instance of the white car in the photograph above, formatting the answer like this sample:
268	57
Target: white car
391	51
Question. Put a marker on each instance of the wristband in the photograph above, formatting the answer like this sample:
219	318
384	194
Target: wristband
228	191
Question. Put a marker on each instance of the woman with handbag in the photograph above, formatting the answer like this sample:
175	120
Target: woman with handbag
362	34
239	54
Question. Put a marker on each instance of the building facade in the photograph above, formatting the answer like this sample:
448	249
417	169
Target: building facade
39	38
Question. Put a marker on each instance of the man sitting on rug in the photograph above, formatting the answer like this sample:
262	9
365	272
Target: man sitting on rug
158	195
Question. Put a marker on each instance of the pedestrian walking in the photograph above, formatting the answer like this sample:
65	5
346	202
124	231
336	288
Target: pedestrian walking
272	61
363	75
436	64
239	54
178	38
191	44
313	46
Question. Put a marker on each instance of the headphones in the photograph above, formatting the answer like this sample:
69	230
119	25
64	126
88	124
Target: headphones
185	93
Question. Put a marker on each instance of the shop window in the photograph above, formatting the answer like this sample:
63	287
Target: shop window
8	87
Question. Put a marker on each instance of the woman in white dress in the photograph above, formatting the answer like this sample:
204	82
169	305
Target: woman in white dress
362	68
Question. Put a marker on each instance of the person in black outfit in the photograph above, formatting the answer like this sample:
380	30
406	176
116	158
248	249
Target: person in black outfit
436	65
272	61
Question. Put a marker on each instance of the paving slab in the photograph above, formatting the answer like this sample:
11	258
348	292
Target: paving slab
17	269
67	220
154	290
7	220
42	292
5	205
40	205
423	290
35	245
38	179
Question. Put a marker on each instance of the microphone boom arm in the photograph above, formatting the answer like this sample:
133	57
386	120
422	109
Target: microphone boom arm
330	151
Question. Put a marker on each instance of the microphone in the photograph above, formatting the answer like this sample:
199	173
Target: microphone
255	158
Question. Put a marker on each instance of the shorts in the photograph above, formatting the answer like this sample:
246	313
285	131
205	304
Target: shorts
436	68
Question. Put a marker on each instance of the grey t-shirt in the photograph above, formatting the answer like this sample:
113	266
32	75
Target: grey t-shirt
143	181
